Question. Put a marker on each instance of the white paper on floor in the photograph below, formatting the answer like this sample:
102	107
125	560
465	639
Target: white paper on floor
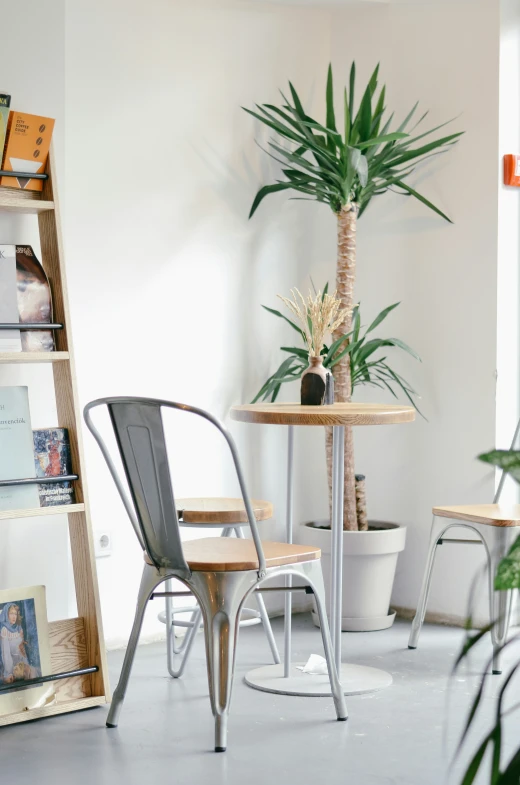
316	665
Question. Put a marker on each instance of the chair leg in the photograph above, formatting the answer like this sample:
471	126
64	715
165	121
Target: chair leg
149	580
425	588
264	615
315	577
221	595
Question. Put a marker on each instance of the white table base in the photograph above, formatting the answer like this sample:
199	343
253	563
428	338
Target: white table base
356	680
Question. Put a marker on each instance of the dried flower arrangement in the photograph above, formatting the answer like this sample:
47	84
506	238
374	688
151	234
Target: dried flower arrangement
318	315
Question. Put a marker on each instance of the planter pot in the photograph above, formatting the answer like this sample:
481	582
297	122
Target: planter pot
369	564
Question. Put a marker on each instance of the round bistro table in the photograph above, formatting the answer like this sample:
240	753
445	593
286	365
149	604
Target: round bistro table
287	678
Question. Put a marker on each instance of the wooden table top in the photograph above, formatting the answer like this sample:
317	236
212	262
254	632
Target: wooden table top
335	414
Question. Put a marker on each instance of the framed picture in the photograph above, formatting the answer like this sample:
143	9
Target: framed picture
24	648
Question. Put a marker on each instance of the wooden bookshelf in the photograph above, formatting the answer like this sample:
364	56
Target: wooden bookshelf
75	643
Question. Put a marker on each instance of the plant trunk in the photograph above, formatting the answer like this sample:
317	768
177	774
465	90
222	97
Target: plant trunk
345	278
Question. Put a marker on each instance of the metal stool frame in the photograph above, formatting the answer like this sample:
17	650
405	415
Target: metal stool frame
496	541
195	621
139	432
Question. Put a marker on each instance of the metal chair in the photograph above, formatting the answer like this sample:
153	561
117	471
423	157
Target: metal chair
229	515
220	572
494	525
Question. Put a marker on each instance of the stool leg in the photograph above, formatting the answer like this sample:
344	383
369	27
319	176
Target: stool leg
264	616
500	602
425	588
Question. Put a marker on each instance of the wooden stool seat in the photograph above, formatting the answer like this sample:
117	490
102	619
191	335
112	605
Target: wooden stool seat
226	554
489	514
220	510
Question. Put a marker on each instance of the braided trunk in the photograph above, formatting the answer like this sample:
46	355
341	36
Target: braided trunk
345	278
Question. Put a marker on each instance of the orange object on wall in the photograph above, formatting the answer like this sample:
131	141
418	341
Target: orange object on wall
512	170
27	148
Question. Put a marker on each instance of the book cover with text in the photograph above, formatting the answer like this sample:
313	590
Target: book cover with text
52	458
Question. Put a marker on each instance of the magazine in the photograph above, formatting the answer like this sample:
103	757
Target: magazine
34	300
16	450
52	458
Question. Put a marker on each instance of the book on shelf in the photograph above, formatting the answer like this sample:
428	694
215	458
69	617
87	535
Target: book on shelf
24	649
16	450
5	103
34	300
51	459
27	149
25	298
10	340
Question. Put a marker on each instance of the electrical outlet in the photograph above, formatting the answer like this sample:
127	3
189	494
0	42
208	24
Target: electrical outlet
103	544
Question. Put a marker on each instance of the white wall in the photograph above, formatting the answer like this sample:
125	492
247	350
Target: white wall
444	275
166	274
33	73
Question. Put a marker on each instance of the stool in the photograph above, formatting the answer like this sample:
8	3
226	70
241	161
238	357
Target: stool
230	516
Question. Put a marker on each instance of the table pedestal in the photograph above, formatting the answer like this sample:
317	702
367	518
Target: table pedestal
355	680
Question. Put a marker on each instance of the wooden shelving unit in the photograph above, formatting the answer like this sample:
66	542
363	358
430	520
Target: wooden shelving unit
75	643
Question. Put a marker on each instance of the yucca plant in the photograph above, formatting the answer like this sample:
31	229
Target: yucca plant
344	165
506	579
365	367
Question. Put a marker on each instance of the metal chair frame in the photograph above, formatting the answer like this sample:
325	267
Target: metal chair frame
496	541
138	428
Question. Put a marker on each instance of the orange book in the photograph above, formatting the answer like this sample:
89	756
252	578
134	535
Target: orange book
27	149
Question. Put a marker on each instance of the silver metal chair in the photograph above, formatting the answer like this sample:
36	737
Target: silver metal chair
229	515
495	526
220	572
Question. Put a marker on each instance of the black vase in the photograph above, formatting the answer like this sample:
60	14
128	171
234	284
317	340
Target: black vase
317	387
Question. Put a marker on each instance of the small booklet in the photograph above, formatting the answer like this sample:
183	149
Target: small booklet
34	300
51	459
27	149
16	450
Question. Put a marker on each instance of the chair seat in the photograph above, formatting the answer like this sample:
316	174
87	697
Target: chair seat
227	554
221	510
489	514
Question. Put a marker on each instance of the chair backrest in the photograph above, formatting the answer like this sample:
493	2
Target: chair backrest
139	432
503	476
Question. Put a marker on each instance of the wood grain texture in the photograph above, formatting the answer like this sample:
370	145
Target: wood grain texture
221	510
229	554
489	514
69	416
69	652
35	512
336	414
33	357
13	200
51	711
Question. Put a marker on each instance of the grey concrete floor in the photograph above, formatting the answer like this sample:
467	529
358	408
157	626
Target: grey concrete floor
404	734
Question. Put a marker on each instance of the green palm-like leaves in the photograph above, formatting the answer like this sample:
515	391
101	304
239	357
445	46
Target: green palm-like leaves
365	367
362	160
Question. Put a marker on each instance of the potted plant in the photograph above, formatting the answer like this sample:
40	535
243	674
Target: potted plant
345	169
490	750
370	561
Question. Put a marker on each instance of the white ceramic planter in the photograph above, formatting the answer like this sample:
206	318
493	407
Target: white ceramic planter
369	564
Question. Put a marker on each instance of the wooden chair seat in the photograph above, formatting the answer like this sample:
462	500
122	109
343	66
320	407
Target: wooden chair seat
220	510
229	554
489	514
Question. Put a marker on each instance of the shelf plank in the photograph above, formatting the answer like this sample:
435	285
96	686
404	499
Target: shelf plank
50	711
59	509
14	201
33	357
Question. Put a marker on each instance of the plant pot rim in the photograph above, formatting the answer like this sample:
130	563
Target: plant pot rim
383	526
